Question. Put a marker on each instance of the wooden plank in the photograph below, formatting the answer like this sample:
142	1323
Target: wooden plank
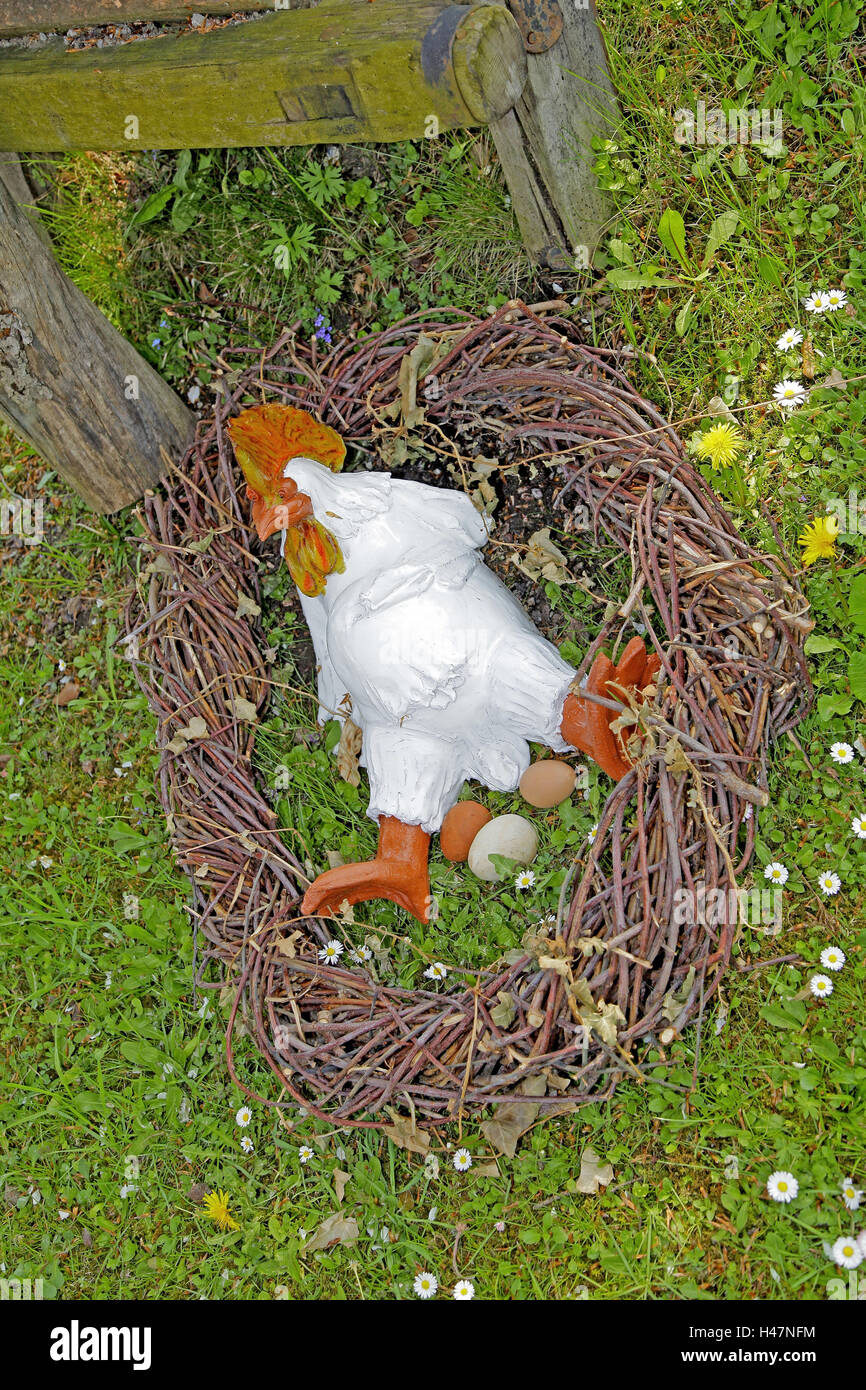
568	98
56	16
70	385
341	72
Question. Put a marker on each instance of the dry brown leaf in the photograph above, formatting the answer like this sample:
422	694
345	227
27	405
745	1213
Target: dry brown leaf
406	1134
542	560
68	692
593	1173
244	710
512	1120
334	1230
340	1180
286	945
347	753
247	607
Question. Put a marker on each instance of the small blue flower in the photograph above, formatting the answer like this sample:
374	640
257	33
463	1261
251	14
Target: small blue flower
156	342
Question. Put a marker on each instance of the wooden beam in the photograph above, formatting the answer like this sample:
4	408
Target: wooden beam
56	16
70	385
342	72
545	146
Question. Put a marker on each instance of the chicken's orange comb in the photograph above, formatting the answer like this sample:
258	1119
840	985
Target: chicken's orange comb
267	436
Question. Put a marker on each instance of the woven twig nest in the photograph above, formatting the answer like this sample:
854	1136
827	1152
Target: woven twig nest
621	966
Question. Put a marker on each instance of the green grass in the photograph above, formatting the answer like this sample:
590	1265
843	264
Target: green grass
114	1074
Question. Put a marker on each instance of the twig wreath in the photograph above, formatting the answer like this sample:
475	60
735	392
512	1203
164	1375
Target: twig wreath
622	965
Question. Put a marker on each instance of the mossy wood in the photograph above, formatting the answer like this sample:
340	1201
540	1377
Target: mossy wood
344	71
70	384
45	16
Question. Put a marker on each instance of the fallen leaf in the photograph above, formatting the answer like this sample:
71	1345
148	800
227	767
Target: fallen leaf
334	1230
286	945
513	1119
340	1180
406	1134
593	1173
504	1012
347	753
834	381
672	1005
543	560
721	410
66	694
561	967
247	607
244	710
675	758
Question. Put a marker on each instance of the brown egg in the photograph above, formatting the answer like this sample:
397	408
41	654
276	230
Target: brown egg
460	827
547	783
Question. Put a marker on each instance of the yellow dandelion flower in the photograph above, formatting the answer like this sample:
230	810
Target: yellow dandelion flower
216	1205
720	445
818	539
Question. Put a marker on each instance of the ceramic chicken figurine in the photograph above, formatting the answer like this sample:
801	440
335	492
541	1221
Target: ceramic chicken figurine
448	679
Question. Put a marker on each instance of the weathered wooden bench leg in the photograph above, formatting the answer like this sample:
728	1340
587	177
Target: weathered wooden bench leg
70	384
544	143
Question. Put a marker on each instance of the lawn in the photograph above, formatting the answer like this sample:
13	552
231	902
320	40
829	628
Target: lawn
117	1111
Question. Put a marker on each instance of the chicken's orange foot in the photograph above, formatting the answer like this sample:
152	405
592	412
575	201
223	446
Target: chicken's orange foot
586	726
398	873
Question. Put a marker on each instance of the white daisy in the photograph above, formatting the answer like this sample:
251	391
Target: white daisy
244	1116
361	953
436	971
305	1153
462	1160
425	1285
832	958
592	834
788	394
858	825
247	1144
847	1252
841	753
331	953
464	1289
789	339
851	1195
818	303
777	872
525	879
782	1186
829	883
836	299
821	986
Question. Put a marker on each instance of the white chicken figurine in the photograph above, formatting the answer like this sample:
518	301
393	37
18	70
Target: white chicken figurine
448	679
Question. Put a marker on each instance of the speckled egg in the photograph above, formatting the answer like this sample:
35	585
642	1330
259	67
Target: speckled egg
512	836
460	827
548	782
